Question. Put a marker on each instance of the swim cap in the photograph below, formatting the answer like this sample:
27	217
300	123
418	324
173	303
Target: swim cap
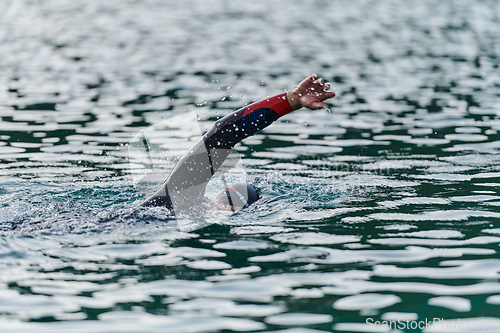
237	195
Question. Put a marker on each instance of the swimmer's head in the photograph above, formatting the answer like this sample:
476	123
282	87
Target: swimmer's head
236	196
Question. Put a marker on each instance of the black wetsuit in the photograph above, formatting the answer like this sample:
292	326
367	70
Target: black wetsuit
190	176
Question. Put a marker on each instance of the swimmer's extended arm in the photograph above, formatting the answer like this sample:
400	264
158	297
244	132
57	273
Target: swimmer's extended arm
197	166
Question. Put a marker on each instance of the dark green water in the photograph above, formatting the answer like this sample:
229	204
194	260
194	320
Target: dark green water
385	208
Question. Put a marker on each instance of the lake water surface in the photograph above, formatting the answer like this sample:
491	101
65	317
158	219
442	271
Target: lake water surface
383	208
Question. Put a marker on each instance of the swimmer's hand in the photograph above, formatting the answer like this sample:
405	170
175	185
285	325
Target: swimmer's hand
310	93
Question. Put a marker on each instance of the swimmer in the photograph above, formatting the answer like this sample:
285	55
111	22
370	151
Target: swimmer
187	182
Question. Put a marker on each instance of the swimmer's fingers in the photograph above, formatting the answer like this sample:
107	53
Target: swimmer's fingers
328	94
311	93
312	103
318	84
321	91
314	98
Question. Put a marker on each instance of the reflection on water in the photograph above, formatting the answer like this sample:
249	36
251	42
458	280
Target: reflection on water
384	208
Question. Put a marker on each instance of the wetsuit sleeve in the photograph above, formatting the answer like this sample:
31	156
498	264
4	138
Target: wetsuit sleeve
194	170
245	122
